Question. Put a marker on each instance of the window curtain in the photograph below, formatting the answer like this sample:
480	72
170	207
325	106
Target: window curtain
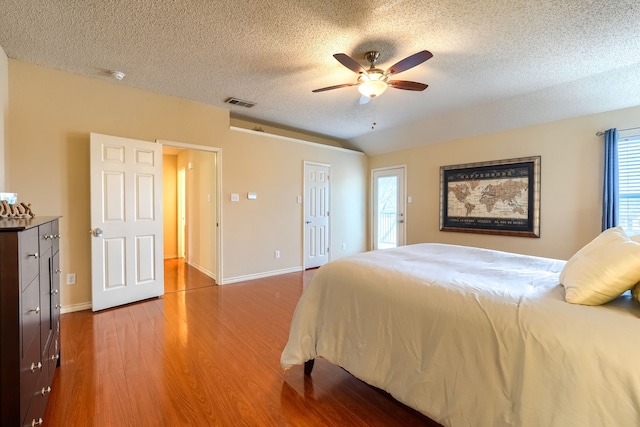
610	199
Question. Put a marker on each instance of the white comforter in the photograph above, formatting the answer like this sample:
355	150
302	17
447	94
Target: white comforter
473	337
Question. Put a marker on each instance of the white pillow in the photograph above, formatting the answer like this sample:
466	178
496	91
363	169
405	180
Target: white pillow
603	269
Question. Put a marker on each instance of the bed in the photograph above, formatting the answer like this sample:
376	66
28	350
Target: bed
472	337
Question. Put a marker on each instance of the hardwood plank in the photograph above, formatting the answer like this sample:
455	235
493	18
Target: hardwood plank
206	356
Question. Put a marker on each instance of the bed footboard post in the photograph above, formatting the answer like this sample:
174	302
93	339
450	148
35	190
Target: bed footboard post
308	366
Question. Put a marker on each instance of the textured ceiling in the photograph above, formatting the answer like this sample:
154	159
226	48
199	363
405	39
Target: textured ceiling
497	64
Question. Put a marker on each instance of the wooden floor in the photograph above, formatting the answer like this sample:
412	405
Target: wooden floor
208	356
180	276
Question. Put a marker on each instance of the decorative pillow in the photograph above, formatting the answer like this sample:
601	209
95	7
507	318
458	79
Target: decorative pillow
635	291
603	269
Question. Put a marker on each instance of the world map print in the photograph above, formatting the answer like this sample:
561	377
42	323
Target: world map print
489	198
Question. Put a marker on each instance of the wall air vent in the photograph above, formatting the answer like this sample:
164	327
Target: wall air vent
239	102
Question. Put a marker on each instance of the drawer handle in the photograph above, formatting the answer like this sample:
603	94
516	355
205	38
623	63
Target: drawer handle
58	270
58	306
45	390
37	422
35	255
36	366
55	357
35	310
57	236
54	292
48	236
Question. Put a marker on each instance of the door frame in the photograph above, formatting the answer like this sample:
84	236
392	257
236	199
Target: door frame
403	203
304	206
218	196
182	175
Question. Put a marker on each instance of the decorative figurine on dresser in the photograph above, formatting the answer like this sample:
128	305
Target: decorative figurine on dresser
29	313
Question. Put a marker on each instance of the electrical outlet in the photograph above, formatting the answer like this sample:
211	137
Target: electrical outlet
71	278
277	254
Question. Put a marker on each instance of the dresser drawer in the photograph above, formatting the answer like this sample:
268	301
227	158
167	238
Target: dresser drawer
45	237
32	371
53	356
55	231
30	315
29	256
39	396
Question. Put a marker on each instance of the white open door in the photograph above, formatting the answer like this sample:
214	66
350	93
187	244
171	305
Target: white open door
316	215
126	220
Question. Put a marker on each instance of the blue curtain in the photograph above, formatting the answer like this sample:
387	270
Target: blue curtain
610	197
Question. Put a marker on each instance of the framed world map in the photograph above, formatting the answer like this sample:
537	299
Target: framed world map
496	197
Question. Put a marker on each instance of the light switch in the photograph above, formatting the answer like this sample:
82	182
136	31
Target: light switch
235	197
299	199
409	199
252	196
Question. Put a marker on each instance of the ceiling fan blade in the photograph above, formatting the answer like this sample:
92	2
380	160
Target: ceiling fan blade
364	100
333	87
349	62
409	62
407	85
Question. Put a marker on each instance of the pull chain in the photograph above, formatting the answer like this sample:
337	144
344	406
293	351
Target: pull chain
373	117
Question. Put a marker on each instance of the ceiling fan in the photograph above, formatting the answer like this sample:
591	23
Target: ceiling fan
374	81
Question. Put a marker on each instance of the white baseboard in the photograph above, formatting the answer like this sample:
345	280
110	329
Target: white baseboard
76	307
203	270
87	305
261	275
170	256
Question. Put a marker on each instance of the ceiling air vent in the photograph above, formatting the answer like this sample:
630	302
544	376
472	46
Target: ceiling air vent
239	102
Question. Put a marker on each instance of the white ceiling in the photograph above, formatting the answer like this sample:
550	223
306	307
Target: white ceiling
497	64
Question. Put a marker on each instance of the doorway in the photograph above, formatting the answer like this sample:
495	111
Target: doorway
193	236
388	207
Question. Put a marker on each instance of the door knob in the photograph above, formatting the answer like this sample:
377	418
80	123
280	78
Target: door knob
96	232
307	222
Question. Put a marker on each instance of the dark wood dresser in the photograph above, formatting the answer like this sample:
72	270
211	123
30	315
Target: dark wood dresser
29	317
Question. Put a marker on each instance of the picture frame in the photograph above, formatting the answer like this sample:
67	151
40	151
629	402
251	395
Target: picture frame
495	197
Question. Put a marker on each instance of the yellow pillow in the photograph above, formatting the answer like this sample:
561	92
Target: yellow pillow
603	269
635	291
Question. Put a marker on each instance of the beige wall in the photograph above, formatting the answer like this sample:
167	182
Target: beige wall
52	113
273	167
4	112
571	181
170	204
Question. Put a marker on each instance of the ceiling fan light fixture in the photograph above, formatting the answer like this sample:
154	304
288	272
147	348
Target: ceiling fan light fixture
372	88
373	83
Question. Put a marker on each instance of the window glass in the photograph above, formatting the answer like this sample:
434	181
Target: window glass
629	169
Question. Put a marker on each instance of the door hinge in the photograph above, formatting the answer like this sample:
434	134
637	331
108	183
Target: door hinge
328	250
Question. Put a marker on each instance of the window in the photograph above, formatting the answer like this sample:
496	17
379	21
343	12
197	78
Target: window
629	170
